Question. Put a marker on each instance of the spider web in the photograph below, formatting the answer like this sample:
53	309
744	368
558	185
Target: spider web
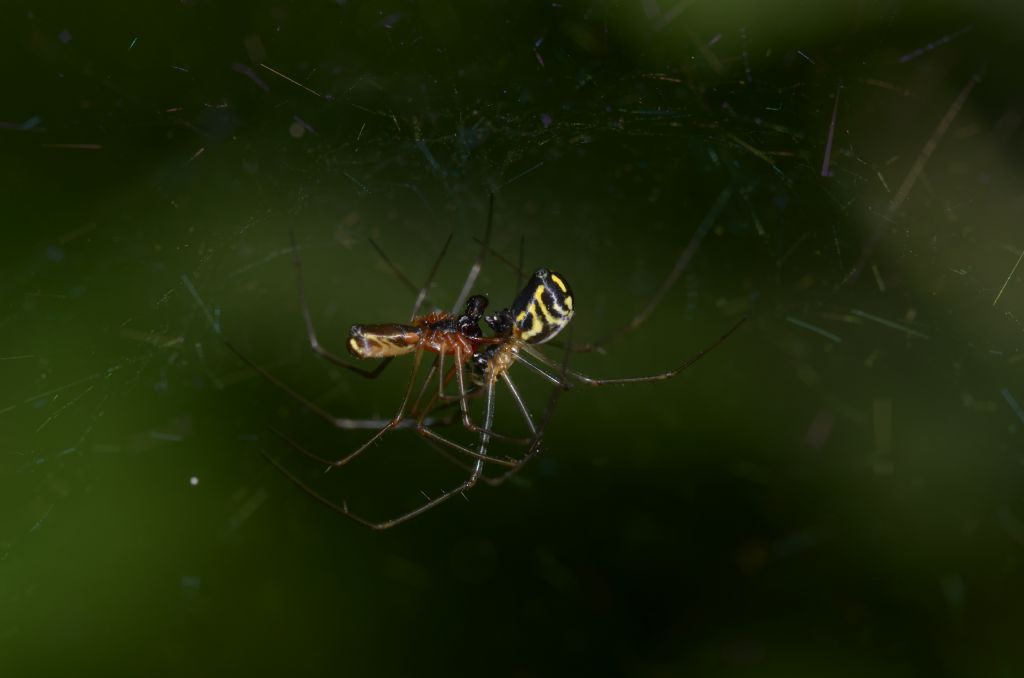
847	177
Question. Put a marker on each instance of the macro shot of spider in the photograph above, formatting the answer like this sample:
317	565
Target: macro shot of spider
482	349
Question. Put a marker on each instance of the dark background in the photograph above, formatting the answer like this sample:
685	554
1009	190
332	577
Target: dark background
835	491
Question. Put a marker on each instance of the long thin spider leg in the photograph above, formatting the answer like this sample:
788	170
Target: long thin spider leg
343	509
467	484
462	398
394	423
402	278
337	422
680	265
340	508
451	457
519	268
439	397
424	388
461	382
537	446
444	380
440	375
509	264
307	317
526	417
430	435
467	420
421	297
519	401
420	292
295	445
554	380
590	381
474	270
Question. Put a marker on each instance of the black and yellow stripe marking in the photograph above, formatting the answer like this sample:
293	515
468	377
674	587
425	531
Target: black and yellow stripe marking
543	308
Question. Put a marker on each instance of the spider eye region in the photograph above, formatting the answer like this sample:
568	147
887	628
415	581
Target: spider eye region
544	307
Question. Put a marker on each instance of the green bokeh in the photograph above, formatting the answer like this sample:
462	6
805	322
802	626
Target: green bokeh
833	492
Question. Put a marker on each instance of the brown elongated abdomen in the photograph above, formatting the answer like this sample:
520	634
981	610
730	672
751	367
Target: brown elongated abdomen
383	341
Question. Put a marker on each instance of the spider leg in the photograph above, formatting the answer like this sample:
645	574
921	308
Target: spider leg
537	433
435	440
534	441
431	406
467	420
516	268
445	379
519	268
462	399
421	292
590	381
536	446
382	425
519	402
430	435
314	342
474	476
390	425
474	270
551	378
425	387
341	508
680	265
336	422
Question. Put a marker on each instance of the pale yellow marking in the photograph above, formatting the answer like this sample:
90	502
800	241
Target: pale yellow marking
568	303
354	344
558	281
536	326
563	313
538	298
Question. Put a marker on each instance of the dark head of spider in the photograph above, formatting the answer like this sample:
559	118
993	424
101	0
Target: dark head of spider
539	312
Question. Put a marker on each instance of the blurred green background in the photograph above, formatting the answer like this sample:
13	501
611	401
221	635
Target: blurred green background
836	491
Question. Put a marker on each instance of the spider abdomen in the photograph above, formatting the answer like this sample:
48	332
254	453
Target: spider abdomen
543	308
383	341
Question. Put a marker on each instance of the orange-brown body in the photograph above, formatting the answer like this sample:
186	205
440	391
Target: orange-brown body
436	332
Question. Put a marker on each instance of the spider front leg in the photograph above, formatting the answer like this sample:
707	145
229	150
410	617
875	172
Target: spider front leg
590	381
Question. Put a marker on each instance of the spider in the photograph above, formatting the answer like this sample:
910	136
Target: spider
540	311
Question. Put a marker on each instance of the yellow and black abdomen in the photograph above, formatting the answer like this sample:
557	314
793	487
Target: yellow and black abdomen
543	308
